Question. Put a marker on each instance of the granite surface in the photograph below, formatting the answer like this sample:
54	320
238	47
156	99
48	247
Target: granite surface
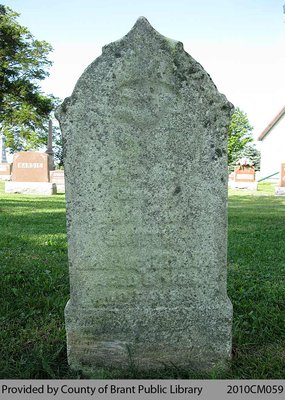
145	148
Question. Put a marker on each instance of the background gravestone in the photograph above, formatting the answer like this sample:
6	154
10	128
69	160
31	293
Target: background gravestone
30	166
146	187
30	174
280	190
57	177
243	178
5	167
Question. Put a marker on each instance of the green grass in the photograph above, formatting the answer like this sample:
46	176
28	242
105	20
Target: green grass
34	289
266	187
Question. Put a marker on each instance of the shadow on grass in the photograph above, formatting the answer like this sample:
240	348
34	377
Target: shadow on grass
41	202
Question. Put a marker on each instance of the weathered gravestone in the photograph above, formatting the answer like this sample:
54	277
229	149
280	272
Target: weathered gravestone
146	186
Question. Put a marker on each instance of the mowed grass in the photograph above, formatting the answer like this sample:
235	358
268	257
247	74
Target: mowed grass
34	289
34	286
256	283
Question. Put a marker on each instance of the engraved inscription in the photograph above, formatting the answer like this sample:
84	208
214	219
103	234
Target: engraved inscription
241	177
144	102
30	165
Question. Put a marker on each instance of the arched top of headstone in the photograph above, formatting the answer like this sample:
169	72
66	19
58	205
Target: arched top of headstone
139	79
142	24
139	32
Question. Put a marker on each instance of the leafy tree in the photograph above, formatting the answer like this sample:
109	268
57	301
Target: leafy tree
24	109
239	134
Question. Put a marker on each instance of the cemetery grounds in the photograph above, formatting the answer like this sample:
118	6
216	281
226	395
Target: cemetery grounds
35	289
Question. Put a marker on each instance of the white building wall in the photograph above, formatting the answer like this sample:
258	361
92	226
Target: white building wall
273	149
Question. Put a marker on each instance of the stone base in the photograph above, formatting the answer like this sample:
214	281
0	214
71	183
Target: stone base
280	191
60	188
243	185
5	177
197	337
35	188
57	177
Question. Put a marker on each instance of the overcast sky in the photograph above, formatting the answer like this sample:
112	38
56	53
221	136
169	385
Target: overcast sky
240	43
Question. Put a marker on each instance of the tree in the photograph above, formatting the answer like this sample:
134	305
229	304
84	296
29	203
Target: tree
239	134
24	109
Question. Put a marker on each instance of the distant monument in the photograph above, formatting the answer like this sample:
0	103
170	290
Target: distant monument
280	190
243	176
57	177
49	150
5	167
31	171
30	166
145	138
3	149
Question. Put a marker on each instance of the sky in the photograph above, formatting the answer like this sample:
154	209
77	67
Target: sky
240	43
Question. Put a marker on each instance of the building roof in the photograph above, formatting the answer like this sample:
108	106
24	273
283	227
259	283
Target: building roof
272	124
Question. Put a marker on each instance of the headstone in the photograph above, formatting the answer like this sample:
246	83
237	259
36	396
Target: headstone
282	175
244	174
49	150
280	190
145	145
244	178
3	149
5	171
57	177
30	166
5	167
30	174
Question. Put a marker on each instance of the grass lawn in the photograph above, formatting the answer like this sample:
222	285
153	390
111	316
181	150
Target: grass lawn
34	289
